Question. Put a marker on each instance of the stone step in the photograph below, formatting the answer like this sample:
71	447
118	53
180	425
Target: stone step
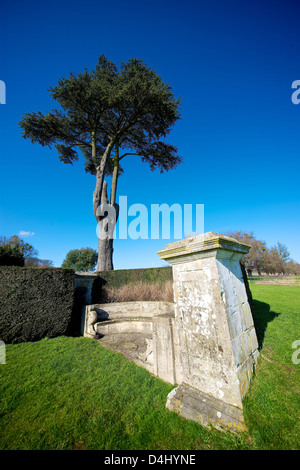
128	324
203	408
137	347
116	310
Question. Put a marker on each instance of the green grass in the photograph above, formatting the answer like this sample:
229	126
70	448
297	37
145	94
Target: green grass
272	407
71	393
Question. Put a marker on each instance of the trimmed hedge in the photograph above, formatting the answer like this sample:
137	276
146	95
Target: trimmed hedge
35	302
120	277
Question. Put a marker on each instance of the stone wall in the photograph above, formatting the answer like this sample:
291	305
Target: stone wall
141	331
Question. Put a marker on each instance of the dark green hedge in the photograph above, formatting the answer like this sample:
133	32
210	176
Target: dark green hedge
120	277
35	302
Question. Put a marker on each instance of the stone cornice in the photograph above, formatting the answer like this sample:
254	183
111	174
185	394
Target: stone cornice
204	245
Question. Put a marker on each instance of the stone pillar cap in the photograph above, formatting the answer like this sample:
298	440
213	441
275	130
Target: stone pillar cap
205	242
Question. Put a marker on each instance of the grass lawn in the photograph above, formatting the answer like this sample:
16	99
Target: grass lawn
71	393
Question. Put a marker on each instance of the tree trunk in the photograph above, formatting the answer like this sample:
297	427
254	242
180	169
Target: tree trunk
107	219
100	198
106	215
105	254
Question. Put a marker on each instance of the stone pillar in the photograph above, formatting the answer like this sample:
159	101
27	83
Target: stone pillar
84	281
217	345
164	347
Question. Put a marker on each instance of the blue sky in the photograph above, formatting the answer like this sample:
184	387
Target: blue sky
232	63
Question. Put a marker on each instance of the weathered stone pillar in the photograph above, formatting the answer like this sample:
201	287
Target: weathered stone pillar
217	345
164	347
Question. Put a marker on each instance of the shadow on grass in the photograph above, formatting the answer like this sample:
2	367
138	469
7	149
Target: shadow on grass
262	315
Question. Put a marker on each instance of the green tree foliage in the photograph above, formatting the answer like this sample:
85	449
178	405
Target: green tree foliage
106	115
84	259
26	249
10	255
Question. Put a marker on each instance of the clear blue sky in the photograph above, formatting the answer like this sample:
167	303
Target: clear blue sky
232	63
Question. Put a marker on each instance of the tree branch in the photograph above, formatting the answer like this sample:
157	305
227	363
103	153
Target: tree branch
129	153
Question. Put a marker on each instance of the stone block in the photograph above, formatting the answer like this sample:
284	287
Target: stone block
163	347
198	406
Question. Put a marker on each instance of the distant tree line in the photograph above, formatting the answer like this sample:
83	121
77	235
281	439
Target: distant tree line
15	252
274	260
261	259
